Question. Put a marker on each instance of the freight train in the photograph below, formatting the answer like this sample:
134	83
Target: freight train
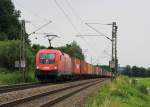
53	64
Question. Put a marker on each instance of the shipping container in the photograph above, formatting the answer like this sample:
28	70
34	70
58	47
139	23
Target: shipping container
67	64
83	68
75	66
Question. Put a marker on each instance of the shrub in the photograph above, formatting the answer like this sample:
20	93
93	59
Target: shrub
143	89
10	52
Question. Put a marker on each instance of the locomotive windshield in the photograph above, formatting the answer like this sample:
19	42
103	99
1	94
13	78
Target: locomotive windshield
47	58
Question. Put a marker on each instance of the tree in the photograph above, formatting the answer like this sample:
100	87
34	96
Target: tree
135	71
73	50
10	52
36	48
143	71
128	70
106	67
148	72
9	23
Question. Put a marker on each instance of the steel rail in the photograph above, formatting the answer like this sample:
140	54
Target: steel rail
33	97
57	100
9	88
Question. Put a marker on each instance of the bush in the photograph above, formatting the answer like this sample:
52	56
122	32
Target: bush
10	52
15	77
143	89
3	70
10	78
119	93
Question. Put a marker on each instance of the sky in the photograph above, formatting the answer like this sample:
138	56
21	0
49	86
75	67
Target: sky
68	20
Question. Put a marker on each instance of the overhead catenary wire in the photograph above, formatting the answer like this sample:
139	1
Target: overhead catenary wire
101	34
88	44
30	11
67	17
73	27
43	33
101	57
76	14
78	17
73	11
99	23
36	26
34	14
40	28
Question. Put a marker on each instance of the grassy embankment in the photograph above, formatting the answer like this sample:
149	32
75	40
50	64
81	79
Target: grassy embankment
122	93
15	77
144	81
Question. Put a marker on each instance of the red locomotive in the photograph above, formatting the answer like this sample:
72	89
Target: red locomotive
54	64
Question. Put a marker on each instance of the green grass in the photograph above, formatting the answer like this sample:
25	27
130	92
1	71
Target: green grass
15	77
144	81
120	93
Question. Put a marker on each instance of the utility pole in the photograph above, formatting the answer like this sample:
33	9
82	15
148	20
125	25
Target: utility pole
114	49
22	65
116	57
114	60
22	58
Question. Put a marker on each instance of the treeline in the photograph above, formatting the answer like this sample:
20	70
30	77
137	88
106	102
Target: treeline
10	52
9	21
72	49
10	29
136	71
105	67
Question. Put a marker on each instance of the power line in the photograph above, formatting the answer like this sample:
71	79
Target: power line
67	17
78	17
30	11
101	34
94	49
75	14
43	33
80	20
40	28
99	23
34	25
73	11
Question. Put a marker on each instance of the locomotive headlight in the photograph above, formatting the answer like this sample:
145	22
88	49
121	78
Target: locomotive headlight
37	67
55	67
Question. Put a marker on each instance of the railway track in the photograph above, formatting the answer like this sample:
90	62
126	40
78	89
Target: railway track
61	98
15	87
9	88
63	93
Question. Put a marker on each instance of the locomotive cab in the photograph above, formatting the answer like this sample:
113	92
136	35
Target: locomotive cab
46	64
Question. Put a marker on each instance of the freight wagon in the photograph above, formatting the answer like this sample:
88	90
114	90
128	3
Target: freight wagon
54	64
